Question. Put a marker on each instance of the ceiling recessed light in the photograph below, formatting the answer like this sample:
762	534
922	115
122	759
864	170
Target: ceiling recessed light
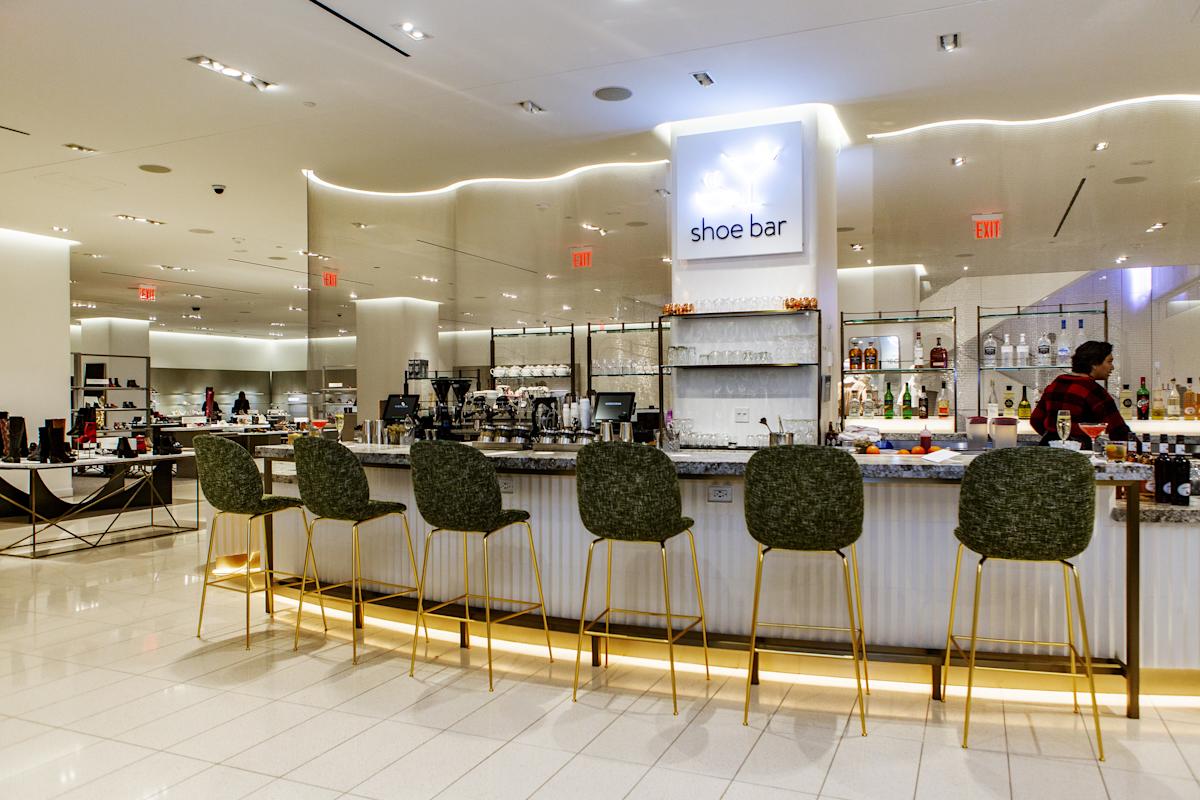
59	228
82	304
191	316
509	295
274	333
1121	259
353	295
530	107
468	314
344	331
427	278
1103	277
278	324
856	247
703	78
300	288
360	225
91	255
666	259
169	268
1158	226
231	72
412	31
157	169
152	319
311	254
612	94
957	161
1098	146
295	308
566	307
868	261
949	42
78	148
194	296
965	268
663	192
522	322
143	220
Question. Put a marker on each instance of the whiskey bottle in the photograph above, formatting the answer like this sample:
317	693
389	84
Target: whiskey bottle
923	404
870	356
943	404
856	356
939	358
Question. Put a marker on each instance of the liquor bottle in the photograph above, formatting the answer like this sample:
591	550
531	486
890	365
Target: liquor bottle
1024	410
871	356
1006	353
1022	352
918	352
1182	475
1126	403
868	403
1173	410
856	356
1063	346
1080	336
939	358
1164	468
831	437
1146	456
1189	402
943	404
1143	401
1158	409
1010	402
889	402
855	406
993	407
906	408
923	404
1181	389
1044	357
990	349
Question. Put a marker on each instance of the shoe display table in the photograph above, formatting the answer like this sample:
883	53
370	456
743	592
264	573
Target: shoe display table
46	524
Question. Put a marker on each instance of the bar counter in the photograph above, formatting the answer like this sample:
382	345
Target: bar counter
906	552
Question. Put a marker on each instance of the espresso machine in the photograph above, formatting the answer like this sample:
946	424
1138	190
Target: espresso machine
443	418
462	389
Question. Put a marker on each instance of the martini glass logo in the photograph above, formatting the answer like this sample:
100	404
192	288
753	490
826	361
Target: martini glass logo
736	185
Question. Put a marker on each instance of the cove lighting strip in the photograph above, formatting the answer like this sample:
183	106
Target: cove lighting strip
1009	123
312	176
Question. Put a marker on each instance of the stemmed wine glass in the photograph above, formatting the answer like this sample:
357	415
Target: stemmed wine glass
1063	424
1093	430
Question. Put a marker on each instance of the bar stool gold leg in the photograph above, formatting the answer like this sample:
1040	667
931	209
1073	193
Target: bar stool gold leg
249	533
412	557
862	709
537	576
487	609
950	625
662	546
862	628
1087	661
316	573
467	589
1071	639
268	585
753	630
355	596
587	575
971	660
412	664
700	601
308	551
212	541
607	597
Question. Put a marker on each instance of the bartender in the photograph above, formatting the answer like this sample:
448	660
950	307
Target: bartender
1082	392
241	405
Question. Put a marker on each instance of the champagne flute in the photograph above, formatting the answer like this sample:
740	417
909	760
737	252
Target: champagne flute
1063	423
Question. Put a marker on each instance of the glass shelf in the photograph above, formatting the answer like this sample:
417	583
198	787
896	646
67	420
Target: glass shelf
740	366
742	314
1015	369
896	320
622	374
543	331
1040	311
891	370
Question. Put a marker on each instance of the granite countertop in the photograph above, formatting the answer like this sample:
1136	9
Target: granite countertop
713	463
1170	515
98	461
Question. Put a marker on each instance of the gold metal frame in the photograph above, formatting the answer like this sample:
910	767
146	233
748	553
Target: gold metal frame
952	642
358	605
486	597
246	573
588	628
858	641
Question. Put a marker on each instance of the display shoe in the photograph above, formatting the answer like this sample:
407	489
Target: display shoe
17	447
166	445
131	384
124	450
4	435
43	445
59	452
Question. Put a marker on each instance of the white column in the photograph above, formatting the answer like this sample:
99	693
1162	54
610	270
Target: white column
391	330
35	319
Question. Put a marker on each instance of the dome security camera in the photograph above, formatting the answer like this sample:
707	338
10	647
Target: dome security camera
195	308
218	188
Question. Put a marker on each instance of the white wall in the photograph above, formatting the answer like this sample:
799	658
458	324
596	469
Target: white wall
392	330
203	351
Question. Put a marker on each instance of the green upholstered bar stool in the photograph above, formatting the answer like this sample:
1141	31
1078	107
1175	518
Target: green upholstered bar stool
233	485
458	492
333	485
806	499
1026	504
629	493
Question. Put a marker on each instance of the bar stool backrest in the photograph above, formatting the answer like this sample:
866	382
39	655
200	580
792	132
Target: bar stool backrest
229	477
628	491
801	497
455	486
332	481
1027	504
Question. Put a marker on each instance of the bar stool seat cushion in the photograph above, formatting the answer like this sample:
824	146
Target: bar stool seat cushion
333	483
231	481
379	508
1027	504
457	489
801	497
629	492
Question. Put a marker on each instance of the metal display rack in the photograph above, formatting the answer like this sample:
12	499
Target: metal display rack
620	328
936	316
1027	315
512	333
82	393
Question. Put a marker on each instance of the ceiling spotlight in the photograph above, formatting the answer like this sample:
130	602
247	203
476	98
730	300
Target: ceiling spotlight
1098	146
81	304
152	319
194	296
295	308
427	278
868	262
274	333
300	288
91	255
468	314
167	267
587	226
59	228
1103	277
703	78
1121	259
509	295
354	295
278	324
143	220
856	247
595	290
311	254
531	107
1158	226
566	307
603	231
344	331
965	268
666	259
231	72
957	161
550	277
360	225
411	31
663	192
78	148
191	316
522	322
949	42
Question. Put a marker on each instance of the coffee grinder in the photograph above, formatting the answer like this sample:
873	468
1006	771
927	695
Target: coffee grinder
461	388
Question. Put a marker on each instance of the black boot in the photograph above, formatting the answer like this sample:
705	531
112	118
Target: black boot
17	448
124	450
4	435
43	444
60	452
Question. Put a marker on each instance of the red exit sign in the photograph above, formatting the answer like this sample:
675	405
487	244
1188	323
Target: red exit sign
147	294
329	280
988	226
581	258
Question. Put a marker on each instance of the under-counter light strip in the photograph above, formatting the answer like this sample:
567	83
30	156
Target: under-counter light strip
312	176
1191	98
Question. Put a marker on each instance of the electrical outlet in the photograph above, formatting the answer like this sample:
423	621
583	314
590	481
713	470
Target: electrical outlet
506	483
720	493
741	415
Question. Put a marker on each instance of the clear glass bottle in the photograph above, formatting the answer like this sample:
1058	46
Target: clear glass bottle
993	406
1063	346
1022	355
1009	409
1190	400
1044	357
1006	352
918	352
1125	404
990	350
1158	408
855	409
943	404
868	403
1173	409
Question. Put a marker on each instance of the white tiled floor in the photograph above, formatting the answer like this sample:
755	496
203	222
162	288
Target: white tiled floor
105	692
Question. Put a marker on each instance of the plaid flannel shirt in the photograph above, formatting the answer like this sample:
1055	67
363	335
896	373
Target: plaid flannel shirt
1086	399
